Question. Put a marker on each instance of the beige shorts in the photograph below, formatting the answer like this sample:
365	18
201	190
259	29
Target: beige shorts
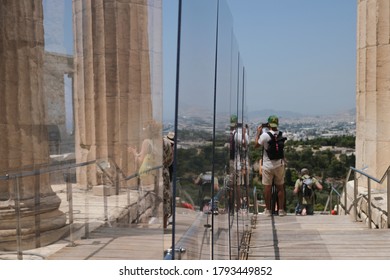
277	174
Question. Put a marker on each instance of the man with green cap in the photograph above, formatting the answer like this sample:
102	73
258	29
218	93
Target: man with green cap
273	162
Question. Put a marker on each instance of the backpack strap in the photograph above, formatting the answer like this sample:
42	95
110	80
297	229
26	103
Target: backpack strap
276	136
271	134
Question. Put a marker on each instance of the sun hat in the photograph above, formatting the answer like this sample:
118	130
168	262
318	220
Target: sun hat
305	171
171	137
273	121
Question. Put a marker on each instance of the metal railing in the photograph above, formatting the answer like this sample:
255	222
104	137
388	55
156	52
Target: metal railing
329	202
355	192
65	169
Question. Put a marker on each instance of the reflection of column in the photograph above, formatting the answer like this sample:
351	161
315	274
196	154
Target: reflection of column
112	81
23	133
373	86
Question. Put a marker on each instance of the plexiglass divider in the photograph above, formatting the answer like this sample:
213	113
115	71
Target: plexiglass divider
71	168
212	208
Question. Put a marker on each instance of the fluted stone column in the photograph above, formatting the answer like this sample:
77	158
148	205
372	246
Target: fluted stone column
112	82
373	87
23	143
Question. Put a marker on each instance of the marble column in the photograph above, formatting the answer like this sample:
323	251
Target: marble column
373	87
112	82
23	143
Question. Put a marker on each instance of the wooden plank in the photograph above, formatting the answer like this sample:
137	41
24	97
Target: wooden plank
316	237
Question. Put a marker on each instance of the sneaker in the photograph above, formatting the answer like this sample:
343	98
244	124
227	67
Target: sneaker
282	213
267	213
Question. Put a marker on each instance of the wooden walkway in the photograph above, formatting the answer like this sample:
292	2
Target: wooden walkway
318	237
124	242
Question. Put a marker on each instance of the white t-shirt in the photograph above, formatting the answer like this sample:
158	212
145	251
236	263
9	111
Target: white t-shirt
263	141
239	140
238	137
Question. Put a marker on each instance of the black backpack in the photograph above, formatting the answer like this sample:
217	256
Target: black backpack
276	146
307	187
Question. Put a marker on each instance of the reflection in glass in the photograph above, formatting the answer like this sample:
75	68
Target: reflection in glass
210	92
80	85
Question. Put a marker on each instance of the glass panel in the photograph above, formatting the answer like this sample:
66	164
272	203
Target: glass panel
223	222
81	127
211	86
195	128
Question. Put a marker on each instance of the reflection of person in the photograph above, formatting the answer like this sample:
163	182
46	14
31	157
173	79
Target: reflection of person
168	148
238	153
306	201
273	170
171	138
146	158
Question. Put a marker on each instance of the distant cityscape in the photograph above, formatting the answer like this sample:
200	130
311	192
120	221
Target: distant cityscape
296	126
310	127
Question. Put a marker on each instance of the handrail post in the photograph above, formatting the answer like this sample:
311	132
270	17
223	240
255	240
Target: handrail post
369	202
69	196
86	219
255	202
331	200
355	190
346	192
18	222
345	197
105	204
388	197
37	210
116	180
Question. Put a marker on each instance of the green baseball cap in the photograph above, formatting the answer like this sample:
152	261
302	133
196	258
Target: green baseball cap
233	118
273	121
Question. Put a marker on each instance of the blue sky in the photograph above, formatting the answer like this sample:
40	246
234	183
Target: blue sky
299	55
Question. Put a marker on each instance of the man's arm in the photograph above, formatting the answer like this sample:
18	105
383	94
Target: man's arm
296	187
258	133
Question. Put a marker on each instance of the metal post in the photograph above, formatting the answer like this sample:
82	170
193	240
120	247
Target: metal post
331	200
37	208
86	207
369	202
105	203
69	196
345	198
255	202
388	198
17	216
346	192
116	180
355	190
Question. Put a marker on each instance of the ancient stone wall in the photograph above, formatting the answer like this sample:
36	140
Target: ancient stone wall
373	87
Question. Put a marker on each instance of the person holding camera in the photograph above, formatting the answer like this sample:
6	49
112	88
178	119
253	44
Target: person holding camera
273	163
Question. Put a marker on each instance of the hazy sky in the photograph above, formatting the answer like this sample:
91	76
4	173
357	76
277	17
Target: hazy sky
299	55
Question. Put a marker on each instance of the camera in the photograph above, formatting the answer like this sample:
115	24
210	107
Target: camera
265	125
